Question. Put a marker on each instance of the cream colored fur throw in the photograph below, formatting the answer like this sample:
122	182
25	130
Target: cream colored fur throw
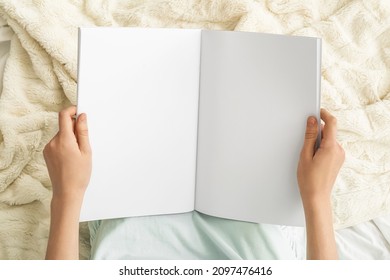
41	75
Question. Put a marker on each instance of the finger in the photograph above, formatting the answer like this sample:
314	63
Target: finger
82	133
65	120
310	138
330	128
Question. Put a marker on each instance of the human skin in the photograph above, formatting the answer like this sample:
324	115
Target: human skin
69	162
317	172
68	158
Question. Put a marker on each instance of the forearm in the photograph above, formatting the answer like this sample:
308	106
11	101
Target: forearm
63	240
68	157
321	242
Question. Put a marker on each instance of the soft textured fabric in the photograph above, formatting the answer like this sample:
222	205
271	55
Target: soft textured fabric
193	236
41	75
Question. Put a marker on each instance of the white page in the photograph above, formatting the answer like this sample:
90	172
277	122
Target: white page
256	92
139	88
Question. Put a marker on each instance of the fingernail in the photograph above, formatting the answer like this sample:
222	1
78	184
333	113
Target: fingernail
83	117
311	121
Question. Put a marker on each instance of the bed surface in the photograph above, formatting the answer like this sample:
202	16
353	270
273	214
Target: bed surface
41	79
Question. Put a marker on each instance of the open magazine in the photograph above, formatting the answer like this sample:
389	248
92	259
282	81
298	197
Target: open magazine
190	119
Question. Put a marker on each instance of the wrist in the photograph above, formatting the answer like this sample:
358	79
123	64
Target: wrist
68	193
315	196
316	202
67	201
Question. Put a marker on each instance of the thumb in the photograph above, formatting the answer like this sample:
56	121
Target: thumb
310	138
82	133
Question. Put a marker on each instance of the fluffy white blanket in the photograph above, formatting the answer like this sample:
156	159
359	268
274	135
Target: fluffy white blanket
41	71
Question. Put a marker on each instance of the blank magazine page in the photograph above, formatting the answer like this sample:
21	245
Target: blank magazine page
256	91
139	88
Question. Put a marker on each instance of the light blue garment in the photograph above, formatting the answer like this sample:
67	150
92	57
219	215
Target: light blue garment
192	236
